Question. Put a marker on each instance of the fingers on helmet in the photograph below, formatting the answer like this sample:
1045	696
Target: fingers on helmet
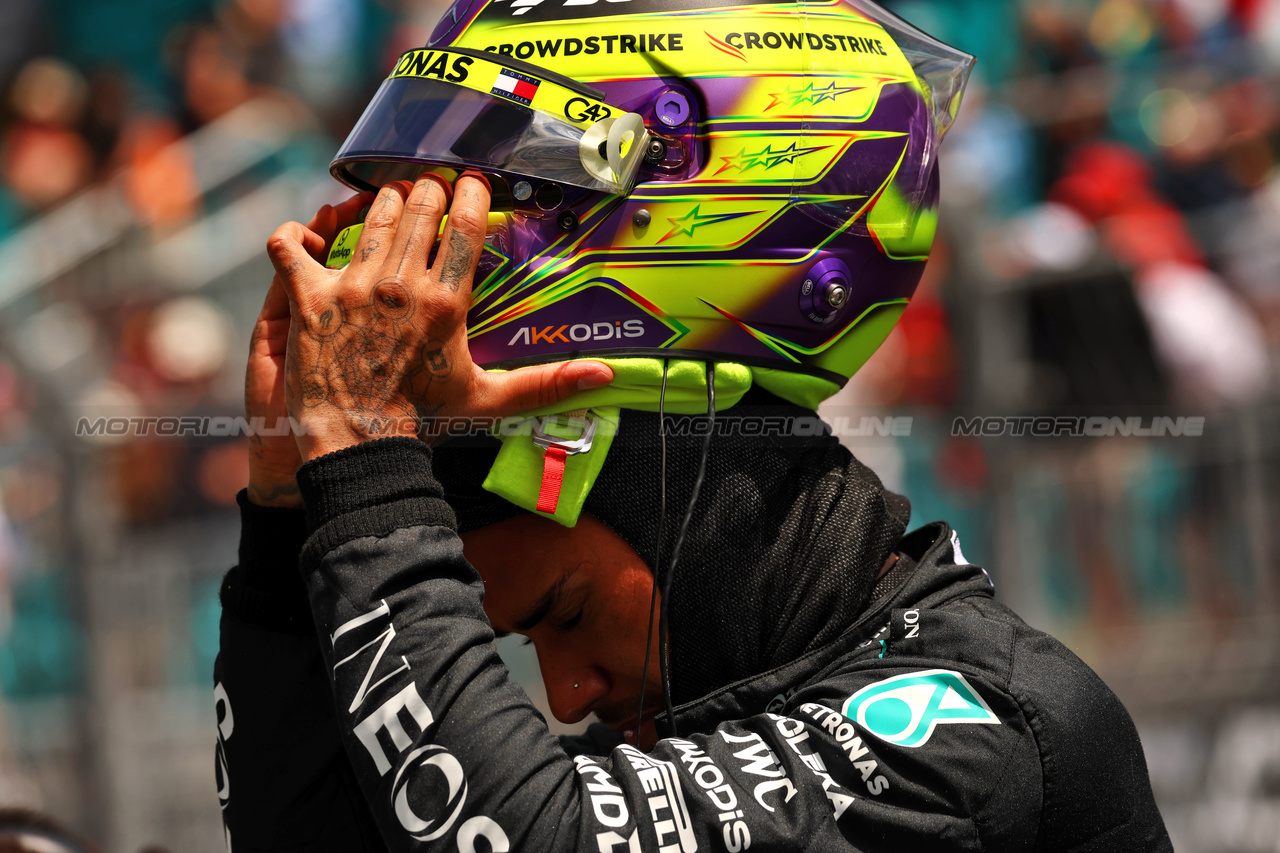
424	208
546	385
381	223
288	249
463	239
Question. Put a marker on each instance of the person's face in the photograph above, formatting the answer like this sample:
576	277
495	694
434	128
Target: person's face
581	596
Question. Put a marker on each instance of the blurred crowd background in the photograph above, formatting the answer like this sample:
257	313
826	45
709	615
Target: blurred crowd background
1110	246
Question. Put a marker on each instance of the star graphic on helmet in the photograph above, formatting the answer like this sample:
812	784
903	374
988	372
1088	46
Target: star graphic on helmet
809	94
693	219
766	157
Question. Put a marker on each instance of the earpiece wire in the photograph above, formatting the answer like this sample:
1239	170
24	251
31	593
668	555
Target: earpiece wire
675	551
657	548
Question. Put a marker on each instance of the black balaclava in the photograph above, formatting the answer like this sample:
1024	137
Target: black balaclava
787	536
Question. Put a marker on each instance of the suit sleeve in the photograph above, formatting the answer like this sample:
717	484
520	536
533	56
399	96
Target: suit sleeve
1085	737
452	756
284	782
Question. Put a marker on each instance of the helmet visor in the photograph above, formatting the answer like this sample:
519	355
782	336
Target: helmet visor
478	114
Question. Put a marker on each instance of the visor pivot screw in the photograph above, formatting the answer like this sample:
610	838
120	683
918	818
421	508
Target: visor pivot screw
672	108
641	218
522	190
656	152
825	290
568	221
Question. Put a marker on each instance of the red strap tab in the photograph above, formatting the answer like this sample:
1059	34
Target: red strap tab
552	478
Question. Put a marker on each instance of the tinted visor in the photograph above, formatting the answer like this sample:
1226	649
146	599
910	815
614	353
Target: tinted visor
415	122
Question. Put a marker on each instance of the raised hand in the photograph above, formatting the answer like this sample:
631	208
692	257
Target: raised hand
273	452
380	348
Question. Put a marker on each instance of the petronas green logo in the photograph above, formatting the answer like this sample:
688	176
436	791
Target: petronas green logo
905	709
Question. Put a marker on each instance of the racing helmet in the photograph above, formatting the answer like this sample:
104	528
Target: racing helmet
743	181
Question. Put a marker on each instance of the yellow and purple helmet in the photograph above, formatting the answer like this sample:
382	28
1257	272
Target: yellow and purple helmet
734	180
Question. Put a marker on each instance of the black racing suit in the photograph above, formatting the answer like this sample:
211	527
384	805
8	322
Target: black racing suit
938	721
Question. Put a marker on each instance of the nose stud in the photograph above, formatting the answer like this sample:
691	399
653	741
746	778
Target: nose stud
575	685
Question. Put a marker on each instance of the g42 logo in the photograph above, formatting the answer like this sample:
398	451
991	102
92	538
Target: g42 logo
519	7
905	709
580	110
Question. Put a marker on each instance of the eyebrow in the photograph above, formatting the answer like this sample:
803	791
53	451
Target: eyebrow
547	602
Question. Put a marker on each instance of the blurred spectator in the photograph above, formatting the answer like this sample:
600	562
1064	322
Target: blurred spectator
1209	338
27	831
1205	333
161	183
213	75
24	831
189	340
989	157
1253	252
42	158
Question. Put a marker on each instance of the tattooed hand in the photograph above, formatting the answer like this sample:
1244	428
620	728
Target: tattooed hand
380	347
273	452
